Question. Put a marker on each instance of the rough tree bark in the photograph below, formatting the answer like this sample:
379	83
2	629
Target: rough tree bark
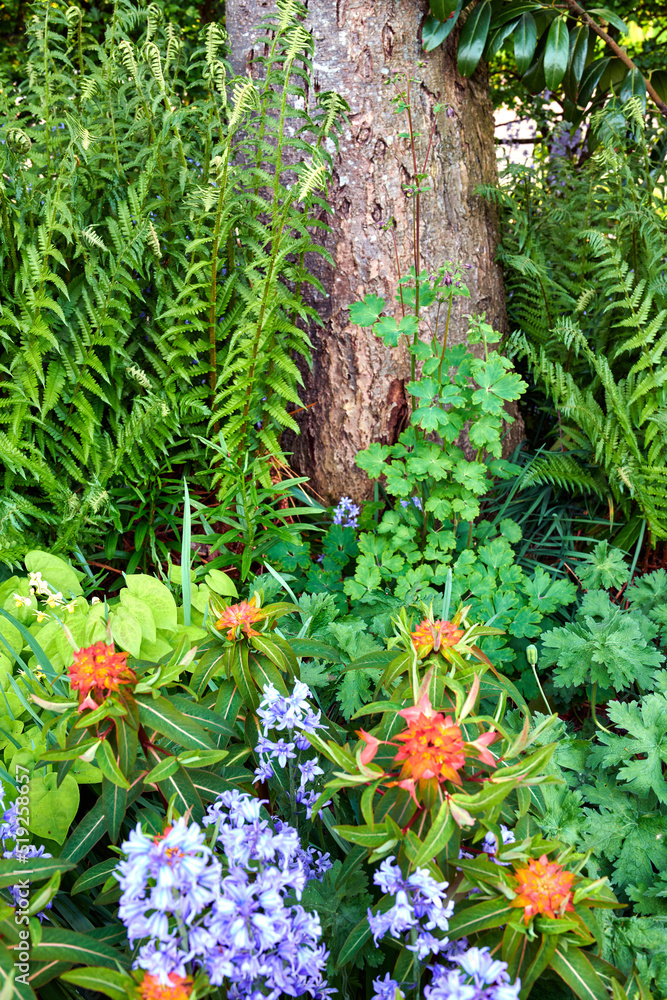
357	385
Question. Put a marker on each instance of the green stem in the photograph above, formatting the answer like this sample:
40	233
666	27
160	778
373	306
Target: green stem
213	289
444	339
292	792
537	679
593	715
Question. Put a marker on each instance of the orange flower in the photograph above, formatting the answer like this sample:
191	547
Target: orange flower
240	616
179	988
372	744
433	745
433	635
97	670
543	887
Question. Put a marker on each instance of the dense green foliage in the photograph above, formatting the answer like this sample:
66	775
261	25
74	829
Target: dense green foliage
154	234
156	217
573	49
584	250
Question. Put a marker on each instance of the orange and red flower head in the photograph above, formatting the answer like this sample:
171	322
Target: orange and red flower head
543	886
433	745
240	617
178	988
96	672
434	635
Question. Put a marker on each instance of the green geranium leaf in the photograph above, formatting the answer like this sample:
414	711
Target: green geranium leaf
604	567
547	593
374	459
604	644
496	385
387	329
642	753
367	312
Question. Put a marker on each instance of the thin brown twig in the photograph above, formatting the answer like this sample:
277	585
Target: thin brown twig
104	566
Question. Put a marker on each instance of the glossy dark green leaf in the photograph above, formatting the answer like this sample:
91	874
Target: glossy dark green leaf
274	654
578	53
525	42
406	967
163	770
659	83
42	973
70	753
115	803
228	701
316	649
243	677
436	32
556	53
209	785
473	38
35	869
97	875
75	738
634	85
590	79
108	765
211	663
540	962
210	720
64	945
479	917
533	78
510	11
367	836
127	741
100	980
498	37
264	672
441	9
179	784
603	13
437	837
372	661
159	714
92	828
577	972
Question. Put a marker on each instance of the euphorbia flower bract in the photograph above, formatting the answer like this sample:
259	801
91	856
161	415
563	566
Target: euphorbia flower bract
433	745
96	672
433	635
543	886
240	617
177	988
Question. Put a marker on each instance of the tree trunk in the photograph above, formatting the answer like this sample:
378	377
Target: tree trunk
357	384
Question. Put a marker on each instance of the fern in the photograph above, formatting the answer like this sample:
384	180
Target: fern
584	250
155	217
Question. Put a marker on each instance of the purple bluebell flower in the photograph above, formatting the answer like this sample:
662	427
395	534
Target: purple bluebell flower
449	984
264	772
245	935
385	989
490	846
420	906
346	513
478	977
309	771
